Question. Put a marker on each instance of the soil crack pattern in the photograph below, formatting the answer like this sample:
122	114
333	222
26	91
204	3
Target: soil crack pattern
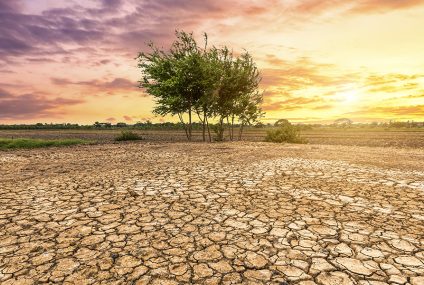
158	213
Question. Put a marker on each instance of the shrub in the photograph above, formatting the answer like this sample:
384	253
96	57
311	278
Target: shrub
128	136
285	133
219	132
36	143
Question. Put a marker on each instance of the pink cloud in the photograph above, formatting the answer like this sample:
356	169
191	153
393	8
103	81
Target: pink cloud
128	118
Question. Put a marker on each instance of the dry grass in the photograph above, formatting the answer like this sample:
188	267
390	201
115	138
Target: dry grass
349	137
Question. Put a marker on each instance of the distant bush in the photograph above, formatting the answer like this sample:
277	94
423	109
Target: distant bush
282	122
285	133
219	132
128	136
36	143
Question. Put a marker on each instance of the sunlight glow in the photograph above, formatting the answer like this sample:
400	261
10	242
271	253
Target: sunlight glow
348	96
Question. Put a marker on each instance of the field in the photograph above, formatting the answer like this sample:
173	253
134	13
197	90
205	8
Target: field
161	212
401	138
9	143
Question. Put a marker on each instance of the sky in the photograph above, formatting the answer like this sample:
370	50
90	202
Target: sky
320	60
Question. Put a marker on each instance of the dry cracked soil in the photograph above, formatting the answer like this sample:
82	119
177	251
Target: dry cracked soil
230	213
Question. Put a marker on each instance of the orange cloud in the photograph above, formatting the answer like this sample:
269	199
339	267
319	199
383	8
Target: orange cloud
302	73
403	111
255	10
128	118
273	60
290	104
364	6
375	79
384	5
392	83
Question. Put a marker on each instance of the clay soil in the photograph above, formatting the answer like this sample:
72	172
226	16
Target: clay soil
222	213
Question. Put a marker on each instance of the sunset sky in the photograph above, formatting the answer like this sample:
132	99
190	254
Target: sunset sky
73	61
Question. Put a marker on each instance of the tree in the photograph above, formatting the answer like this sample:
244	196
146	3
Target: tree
210	82
237	91
282	122
172	78
121	125
343	122
250	111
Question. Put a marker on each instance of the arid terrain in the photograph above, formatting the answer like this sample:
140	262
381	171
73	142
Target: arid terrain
401	138
223	213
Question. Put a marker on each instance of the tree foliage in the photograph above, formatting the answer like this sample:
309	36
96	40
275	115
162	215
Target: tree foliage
211	83
285	132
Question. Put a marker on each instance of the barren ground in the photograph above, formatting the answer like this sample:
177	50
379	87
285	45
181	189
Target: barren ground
231	213
400	138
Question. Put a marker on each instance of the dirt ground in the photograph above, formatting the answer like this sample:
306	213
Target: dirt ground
401	138
229	213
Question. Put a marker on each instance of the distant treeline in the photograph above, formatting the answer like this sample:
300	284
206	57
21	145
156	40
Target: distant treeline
385	125
97	126
198	126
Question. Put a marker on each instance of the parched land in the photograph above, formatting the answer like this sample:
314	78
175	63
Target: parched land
378	137
228	213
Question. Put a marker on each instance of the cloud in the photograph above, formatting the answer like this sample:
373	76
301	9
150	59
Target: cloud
417	110
290	104
111	119
402	111
414	96
303	73
13	46
127	24
104	34
40	59
384	5
255	10
23	33
10	6
394	88
4	94
392	82
352	6
379	79
128	118
113	85
111	4
30	106
323	107
273	60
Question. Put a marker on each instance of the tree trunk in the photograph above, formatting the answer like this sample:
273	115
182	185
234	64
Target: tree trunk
184	125
221	129
229	129
209	130
241	131
204	126
189	123
232	127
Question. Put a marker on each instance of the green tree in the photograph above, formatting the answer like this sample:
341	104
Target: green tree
250	110
210	82
170	77
282	122
237	90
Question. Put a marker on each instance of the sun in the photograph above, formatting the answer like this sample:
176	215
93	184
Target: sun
348	96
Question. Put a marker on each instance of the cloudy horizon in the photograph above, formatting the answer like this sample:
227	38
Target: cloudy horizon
74	61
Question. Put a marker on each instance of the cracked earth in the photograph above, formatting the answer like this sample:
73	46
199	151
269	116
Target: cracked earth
231	213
